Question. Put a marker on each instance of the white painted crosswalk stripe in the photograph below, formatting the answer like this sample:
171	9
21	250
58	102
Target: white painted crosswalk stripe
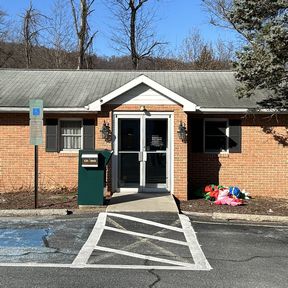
200	261
141	256
144	221
146	236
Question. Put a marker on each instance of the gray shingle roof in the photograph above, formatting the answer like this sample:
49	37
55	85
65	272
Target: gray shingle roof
64	88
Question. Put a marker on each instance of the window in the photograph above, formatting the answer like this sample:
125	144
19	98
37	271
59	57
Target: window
216	136
70	134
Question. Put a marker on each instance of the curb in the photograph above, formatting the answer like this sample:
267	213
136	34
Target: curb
213	215
244	217
49	212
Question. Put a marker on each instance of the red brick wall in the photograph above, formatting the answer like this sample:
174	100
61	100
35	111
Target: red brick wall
17	157
262	166
61	169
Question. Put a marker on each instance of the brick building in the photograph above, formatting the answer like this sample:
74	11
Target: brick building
230	141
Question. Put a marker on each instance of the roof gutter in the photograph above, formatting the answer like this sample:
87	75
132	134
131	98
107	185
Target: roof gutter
50	110
240	110
203	110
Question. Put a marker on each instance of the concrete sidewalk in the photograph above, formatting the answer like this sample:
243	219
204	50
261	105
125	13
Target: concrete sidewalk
142	202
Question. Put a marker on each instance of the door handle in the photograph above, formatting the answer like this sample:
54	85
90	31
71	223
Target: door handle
144	156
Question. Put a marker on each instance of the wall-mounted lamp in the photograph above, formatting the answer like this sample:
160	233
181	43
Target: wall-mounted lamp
182	132
106	132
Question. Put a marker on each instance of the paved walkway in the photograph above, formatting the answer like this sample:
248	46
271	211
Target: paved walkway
142	202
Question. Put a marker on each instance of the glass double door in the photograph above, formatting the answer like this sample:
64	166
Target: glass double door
143	153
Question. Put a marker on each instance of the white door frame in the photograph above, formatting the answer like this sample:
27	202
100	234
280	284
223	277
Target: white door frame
169	154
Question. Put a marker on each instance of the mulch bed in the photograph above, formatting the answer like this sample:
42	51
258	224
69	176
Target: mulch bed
257	205
67	199
61	198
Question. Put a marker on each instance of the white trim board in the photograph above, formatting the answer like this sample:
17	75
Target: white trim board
188	106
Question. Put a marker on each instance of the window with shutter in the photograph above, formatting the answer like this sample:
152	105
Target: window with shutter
89	134
235	136
52	135
69	135
196	130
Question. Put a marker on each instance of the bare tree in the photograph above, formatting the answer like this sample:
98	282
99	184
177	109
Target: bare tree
82	28
134	32
220	15
5	54
196	53
31	27
192	46
60	37
3	25
224	51
206	59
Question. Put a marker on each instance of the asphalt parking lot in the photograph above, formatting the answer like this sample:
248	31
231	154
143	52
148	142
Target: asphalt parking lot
240	254
110	240
43	239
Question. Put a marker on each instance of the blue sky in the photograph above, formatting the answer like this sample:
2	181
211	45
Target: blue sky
176	19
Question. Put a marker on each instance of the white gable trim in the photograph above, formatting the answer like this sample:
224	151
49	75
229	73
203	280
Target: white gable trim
187	105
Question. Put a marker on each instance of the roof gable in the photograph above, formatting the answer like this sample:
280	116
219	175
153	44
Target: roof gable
142	79
142	95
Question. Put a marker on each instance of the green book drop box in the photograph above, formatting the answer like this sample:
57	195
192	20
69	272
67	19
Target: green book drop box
92	176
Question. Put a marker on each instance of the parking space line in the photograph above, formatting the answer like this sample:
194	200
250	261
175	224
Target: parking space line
38	265
93	239
146	236
193	244
97	266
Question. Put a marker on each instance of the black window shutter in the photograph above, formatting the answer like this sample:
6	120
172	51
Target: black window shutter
89	134
52	135
196	128
235	136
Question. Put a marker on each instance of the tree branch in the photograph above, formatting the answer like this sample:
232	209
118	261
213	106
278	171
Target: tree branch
74	14
90	41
